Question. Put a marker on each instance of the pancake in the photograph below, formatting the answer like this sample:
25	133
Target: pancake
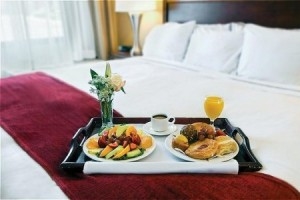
202	149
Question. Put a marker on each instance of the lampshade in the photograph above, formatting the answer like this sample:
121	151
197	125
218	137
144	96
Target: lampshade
135	6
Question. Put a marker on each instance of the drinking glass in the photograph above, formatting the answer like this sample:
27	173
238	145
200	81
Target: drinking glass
213	106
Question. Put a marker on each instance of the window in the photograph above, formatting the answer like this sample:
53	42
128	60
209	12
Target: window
43	34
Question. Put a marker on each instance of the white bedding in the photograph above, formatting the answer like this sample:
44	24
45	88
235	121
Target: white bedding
268	116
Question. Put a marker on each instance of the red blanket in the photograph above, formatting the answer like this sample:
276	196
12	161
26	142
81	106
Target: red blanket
42	114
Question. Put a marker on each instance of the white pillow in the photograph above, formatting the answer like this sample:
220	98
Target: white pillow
271	54
213	27
168	41
237	26
214	50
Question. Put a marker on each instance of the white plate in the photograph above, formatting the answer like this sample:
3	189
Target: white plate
147	152
171	129
168	145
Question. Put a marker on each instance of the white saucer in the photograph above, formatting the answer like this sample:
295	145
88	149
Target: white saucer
147	128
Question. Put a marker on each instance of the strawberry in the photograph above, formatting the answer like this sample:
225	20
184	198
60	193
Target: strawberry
132	146
219	132
135	138
125	142
102	142
114	144
105	135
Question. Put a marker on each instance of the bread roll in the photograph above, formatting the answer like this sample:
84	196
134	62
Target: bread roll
226	145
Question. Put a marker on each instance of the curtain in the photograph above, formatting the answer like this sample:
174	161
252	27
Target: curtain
45	34
80	27
105	28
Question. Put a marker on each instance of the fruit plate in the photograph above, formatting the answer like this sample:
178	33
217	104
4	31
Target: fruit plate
75	159
168	145
146	153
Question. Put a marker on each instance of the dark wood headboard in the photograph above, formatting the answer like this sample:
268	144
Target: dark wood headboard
285	14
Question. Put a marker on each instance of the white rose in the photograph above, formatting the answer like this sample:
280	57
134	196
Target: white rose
117	82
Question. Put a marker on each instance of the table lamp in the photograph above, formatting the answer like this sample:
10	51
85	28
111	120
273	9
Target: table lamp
135	9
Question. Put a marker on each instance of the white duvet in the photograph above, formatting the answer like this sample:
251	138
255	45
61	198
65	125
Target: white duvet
268	115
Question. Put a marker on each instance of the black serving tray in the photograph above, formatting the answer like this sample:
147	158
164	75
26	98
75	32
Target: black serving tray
75	159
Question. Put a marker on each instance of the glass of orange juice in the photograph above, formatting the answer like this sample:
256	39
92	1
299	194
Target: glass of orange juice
213	106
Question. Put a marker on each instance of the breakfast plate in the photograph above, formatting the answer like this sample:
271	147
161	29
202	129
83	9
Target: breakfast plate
146	153
181	155
148	129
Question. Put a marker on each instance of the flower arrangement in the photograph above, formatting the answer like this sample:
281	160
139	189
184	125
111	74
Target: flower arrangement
105	86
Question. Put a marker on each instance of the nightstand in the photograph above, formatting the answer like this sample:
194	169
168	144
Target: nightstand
120	55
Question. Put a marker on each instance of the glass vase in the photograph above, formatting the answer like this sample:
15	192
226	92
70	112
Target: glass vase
106	112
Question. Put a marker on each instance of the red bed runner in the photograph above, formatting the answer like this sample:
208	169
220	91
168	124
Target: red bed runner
42	114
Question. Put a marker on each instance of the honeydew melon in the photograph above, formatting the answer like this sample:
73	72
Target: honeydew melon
134	153
94	151
123	152
120	130
114	152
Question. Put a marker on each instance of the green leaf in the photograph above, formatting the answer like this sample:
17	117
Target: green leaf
123	90
107	70
93	73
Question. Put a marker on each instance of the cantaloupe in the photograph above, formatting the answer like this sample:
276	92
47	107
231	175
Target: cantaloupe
146	142
92	143
130	130
105	151
122	153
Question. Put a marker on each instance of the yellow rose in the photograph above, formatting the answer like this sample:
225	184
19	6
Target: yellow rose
117	82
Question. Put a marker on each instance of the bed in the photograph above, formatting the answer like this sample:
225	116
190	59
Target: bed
255	67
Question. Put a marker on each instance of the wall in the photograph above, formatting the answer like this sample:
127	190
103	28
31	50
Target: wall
149	20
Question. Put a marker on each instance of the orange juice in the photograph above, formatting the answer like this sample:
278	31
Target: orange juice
213	106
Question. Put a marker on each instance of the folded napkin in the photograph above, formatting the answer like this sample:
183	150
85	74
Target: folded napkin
228	167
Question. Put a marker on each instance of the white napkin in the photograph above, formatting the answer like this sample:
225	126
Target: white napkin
228	167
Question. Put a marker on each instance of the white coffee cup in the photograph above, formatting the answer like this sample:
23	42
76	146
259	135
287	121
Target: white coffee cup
161	122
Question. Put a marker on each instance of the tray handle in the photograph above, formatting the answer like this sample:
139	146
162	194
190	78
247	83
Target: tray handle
82	134
70	161
78	138
243	141
75	149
